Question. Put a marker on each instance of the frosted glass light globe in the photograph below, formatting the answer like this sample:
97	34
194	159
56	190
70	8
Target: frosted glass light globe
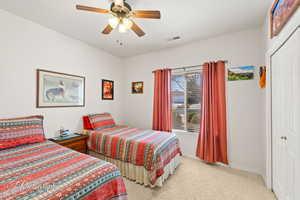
114	22
122	28
127	23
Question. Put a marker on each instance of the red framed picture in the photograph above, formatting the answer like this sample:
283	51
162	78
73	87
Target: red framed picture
107	90
281	12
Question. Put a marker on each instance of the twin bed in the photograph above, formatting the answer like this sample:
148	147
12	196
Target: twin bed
32	167
145	156
46	170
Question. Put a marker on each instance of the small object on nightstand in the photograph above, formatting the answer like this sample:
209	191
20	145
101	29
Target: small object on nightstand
84	132
73	141
63	132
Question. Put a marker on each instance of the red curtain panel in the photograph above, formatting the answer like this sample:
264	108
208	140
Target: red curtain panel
212	142
162	106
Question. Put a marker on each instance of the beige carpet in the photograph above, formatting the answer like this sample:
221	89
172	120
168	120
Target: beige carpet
194	180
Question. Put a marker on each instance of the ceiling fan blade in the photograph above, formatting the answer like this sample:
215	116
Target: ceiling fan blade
107	30
99	10
137	29
146	14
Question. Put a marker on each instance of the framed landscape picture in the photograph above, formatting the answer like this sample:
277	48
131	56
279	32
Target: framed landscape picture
137	87
107	90
56	89
281	12
240	73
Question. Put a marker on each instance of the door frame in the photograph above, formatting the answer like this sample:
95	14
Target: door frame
280	41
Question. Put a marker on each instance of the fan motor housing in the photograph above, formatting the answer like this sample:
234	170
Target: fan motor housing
121	10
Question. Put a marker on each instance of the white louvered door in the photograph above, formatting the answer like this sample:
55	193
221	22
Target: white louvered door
286	119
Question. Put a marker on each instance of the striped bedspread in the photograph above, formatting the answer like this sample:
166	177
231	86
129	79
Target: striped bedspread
49	171
151	149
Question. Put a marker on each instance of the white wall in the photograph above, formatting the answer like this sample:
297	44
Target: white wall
26	46
245	98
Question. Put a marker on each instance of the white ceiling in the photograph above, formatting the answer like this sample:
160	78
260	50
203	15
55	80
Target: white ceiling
190	19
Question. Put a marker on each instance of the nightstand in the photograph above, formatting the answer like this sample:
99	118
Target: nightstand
74	141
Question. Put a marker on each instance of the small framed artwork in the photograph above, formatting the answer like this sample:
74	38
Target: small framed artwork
240	73
281	12
56	89
262	76
137	87
107	90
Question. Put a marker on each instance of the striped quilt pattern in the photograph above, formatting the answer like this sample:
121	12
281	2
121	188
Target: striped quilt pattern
148	148
101	121
49	171
17	131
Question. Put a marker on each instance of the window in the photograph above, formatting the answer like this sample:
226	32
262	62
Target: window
186	101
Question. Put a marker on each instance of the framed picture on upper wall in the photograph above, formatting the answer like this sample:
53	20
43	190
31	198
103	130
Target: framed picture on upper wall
137	87
56	89
107	90
281	12
240	73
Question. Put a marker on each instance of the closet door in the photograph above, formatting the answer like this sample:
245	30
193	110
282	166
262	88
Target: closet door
286	119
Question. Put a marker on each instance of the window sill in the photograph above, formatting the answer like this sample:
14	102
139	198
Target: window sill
182	132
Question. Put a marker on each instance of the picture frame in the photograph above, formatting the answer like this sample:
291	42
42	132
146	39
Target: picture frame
137	87
262	76
280	13
55	89
241	73
107	89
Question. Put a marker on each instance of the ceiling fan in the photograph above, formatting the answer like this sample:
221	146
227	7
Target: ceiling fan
121	16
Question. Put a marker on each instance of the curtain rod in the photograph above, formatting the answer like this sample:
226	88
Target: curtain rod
192	66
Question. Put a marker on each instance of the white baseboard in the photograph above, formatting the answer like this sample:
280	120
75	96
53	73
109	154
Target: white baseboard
235	166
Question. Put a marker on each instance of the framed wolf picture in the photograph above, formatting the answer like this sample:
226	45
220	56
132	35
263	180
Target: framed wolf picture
56	89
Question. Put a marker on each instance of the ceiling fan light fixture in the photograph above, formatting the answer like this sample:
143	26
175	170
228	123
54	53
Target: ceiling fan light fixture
122	14
114	22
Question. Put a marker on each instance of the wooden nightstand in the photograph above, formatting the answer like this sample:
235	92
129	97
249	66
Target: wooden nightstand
74	141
